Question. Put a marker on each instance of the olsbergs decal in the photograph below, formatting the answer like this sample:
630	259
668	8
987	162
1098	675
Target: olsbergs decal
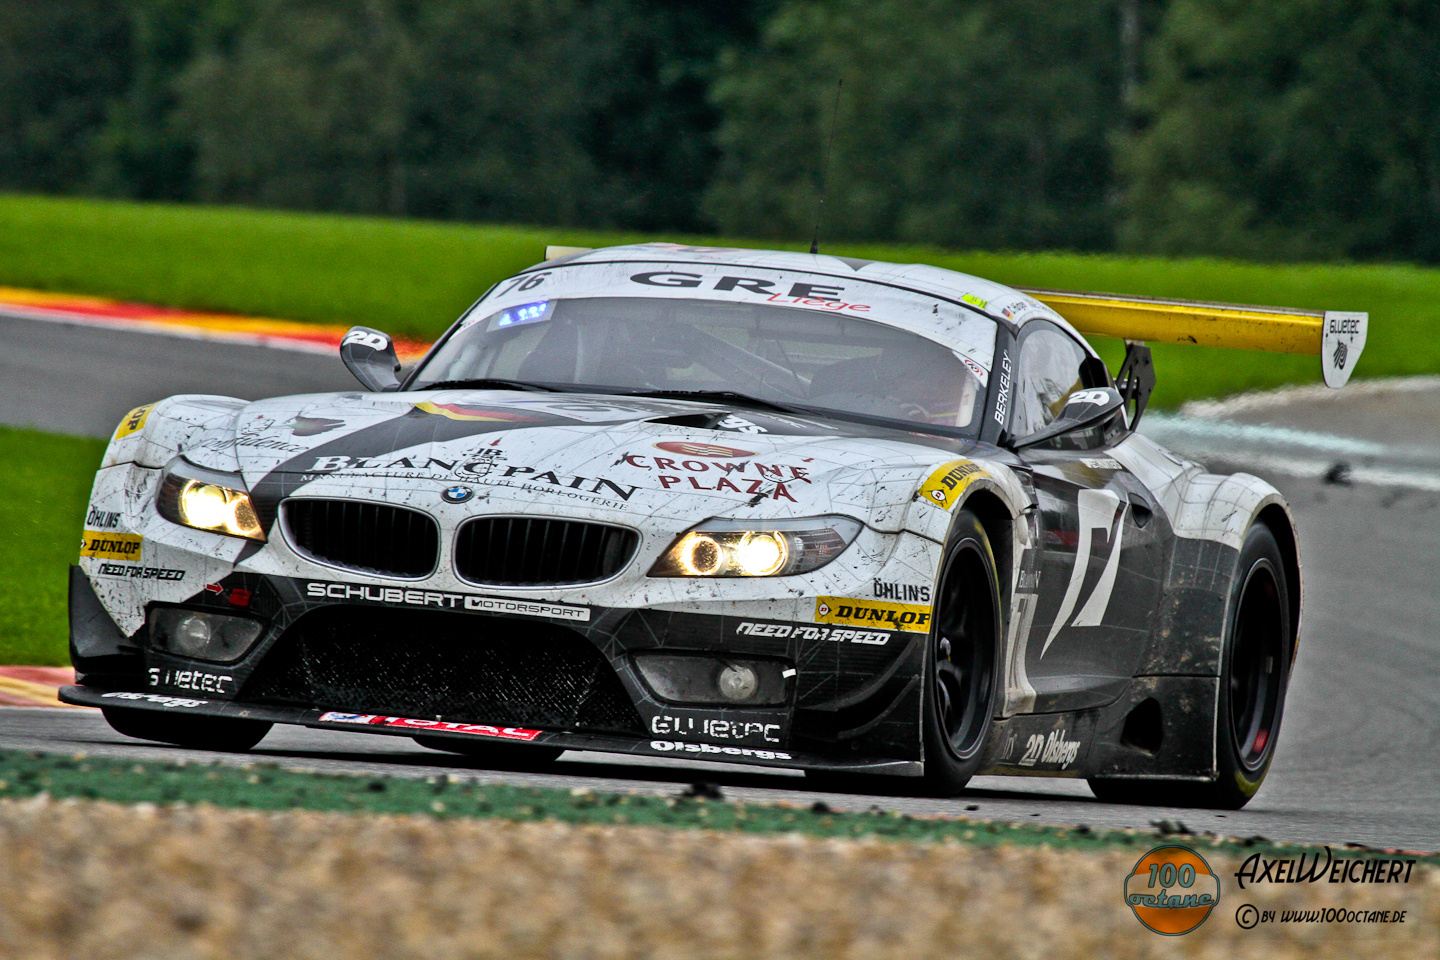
443	600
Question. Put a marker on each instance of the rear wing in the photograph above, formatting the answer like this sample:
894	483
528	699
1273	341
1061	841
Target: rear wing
1336	337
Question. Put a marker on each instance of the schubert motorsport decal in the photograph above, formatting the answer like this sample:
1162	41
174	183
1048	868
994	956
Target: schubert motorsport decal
1172	890
911	618
133	421
410	723
474	603
110	546
945	485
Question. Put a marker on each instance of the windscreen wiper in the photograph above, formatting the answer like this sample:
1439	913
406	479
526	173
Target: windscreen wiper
488	383
715	396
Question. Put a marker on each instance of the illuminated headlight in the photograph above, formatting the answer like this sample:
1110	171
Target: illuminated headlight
747	548
207	500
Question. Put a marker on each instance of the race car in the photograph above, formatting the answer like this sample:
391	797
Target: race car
768	508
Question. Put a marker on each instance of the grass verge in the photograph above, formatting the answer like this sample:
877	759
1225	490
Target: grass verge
414	278
262	786
44	486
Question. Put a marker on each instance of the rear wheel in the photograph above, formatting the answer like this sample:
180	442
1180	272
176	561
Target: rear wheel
1254	675
508	755
229	734
961	681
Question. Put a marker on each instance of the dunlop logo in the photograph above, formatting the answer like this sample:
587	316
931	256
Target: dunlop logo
911	618
110	546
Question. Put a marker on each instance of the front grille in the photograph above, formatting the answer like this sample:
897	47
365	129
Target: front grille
463	668
535	551
372	537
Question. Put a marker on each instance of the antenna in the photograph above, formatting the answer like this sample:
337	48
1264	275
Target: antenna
825	168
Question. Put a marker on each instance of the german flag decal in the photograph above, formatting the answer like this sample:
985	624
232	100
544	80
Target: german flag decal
458	411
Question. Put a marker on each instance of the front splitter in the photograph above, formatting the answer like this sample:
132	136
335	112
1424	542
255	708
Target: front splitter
751	754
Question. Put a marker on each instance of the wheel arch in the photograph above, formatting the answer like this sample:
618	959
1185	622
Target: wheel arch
1282	527
999	526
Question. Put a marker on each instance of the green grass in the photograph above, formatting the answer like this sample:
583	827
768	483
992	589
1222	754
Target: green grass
264	786
411	277
44	487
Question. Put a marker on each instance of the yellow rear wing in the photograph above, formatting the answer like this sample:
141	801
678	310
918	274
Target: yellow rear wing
1336	337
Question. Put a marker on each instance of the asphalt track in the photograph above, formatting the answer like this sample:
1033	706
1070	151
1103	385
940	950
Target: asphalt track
1357	761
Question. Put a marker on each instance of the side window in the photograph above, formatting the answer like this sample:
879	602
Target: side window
1049	371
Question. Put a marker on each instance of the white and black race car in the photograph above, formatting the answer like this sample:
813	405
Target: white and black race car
770	508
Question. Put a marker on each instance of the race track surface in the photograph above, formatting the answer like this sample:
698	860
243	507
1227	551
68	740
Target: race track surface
1356	761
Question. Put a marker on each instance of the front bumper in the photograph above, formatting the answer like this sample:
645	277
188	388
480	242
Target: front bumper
429	661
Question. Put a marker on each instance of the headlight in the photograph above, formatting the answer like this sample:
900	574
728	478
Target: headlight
749	548
207	500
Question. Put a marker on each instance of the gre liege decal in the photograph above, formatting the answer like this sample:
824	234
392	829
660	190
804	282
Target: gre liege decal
474	603
410	723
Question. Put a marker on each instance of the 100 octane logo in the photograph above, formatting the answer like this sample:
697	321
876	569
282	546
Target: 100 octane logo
1172	890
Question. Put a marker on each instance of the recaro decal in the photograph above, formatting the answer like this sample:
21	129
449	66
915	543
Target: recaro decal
1096	510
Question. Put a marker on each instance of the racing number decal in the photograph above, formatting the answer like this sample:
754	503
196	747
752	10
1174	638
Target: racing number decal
1096	510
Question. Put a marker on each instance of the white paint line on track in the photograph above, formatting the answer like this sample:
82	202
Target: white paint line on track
1228	431
1307	394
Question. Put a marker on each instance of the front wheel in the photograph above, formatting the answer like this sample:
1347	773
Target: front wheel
229	734
961	662
1254	675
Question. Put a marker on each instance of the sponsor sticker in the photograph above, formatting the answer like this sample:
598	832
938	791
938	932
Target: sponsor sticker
715	729
688	448
399	596
410	723
806	631
1052	750
140	573
945	485
163	701
975	301
911	618
1102	463
1172	890
679	746
102	519
459	411
197	680
110	546
133	421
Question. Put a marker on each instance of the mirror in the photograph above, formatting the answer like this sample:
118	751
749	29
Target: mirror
1084	409
370	355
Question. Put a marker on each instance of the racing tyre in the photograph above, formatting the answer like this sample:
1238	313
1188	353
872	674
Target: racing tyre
1254	675
229	734
507	756
961	660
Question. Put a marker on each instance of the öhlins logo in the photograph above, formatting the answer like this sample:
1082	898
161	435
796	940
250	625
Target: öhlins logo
912	618
110	546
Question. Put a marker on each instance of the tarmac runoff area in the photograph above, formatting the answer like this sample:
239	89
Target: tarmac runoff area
1356	762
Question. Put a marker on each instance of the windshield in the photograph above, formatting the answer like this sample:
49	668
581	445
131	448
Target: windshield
794	358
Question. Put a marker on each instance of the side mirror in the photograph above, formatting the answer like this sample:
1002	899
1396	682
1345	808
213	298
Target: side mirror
1083	409
370	355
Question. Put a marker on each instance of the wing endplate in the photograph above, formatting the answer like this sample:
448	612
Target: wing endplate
1337	337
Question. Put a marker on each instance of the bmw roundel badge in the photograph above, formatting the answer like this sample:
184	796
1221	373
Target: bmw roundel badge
457	494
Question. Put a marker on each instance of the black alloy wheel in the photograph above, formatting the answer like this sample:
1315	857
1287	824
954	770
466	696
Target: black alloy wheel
961	665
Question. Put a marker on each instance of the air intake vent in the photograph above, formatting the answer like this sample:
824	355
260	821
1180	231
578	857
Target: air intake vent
535	551
369	537
428	664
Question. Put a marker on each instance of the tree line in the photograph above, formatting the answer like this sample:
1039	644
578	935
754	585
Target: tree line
1288	129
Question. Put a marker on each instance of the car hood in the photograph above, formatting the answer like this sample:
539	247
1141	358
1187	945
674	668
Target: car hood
585	455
